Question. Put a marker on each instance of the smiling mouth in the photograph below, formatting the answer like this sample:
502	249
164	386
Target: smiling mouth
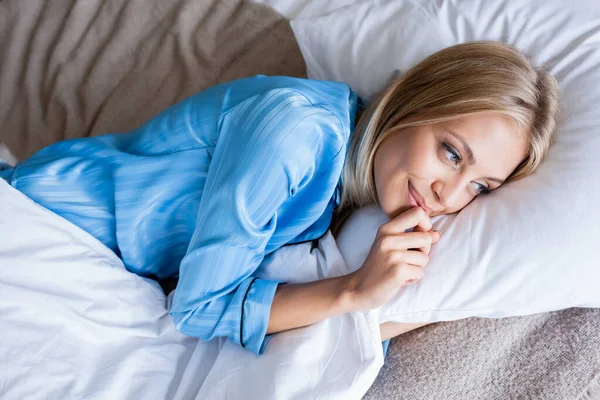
415	199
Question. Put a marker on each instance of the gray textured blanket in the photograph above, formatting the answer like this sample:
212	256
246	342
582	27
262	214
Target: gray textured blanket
78	68
544	356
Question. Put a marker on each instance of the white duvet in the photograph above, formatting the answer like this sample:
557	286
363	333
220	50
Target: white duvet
76	325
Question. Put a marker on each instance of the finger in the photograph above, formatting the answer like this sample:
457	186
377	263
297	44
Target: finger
425	249
408	219
417	258
416	279
405	241
436	235
408	272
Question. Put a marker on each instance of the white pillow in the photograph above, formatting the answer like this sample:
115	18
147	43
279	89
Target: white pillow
533	245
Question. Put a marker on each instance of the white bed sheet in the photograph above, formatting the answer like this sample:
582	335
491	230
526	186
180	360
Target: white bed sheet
76	324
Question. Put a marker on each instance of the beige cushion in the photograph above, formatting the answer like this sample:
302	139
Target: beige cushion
78	68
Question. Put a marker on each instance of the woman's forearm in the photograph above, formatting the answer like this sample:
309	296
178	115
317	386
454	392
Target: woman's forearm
297	305
393	329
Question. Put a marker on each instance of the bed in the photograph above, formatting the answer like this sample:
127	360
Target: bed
90	67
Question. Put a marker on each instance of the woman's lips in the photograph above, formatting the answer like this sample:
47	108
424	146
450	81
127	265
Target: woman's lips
411	199
415	199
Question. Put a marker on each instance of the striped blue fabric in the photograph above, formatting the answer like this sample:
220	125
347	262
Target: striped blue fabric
205	190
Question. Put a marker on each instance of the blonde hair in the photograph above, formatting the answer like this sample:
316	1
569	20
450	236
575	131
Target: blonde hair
460	80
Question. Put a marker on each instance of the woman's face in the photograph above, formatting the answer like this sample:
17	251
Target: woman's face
442	168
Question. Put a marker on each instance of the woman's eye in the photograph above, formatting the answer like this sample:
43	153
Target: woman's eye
451	154
480	189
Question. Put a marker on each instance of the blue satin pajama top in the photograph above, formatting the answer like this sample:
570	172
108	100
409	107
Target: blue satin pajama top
205	190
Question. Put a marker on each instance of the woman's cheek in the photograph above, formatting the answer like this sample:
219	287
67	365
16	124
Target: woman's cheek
426	167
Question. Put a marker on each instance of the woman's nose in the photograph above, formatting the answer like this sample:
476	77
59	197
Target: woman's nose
447	194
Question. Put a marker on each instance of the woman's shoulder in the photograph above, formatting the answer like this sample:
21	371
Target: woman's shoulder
313	88
306	124
335	97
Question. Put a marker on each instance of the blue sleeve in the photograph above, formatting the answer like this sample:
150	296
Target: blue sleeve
265	154
385	345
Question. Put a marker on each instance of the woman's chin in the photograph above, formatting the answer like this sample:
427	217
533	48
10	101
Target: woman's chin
395	211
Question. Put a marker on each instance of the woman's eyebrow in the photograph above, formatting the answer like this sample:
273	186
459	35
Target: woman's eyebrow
470	156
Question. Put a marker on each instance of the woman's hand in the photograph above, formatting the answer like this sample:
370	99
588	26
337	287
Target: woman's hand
396	257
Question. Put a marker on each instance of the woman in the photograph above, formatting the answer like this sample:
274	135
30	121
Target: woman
210	186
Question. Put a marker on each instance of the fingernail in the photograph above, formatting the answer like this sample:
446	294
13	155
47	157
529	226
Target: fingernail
440	232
